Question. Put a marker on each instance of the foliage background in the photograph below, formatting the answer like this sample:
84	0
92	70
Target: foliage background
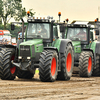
12	9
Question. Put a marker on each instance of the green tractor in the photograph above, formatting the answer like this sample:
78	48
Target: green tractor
86	48
40	47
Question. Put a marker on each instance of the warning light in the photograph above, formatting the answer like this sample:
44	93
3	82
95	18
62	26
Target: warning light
67	20
28	13
96	20
59	13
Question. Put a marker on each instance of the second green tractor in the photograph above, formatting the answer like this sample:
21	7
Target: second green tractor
86	48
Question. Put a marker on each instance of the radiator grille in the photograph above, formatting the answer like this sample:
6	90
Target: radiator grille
25	51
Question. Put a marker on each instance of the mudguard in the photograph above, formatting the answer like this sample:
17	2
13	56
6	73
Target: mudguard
63	45
97	49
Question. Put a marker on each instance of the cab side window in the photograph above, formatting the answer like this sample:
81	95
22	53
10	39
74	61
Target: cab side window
55	32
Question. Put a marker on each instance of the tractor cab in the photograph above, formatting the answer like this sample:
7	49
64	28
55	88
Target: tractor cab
44	29
81	33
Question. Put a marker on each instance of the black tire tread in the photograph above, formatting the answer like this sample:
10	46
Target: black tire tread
62	74
5	56
83	64
45	65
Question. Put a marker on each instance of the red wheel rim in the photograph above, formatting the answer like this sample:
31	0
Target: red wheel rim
53	66
69	62
89	64
13	69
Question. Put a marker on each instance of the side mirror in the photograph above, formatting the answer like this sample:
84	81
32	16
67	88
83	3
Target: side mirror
62	28
96	32
12	26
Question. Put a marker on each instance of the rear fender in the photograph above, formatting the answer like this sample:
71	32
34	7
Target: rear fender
63	45
97	50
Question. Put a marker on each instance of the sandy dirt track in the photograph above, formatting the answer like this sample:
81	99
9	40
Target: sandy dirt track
75	89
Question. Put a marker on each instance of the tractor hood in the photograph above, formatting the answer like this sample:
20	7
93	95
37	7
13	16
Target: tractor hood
76	43
31	48
32	42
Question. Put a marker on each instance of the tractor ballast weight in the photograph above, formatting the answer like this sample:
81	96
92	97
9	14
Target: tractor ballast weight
41	48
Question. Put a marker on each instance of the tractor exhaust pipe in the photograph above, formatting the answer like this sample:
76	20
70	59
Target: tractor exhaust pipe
22	29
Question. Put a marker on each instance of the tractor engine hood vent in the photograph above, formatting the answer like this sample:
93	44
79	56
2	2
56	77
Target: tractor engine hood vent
25	51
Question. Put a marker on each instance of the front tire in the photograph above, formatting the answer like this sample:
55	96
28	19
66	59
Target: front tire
86	63
7	70
67	63
48	66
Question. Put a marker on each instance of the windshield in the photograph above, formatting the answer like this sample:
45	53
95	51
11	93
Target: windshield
77	34
38	30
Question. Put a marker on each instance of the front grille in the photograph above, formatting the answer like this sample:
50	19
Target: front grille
25	51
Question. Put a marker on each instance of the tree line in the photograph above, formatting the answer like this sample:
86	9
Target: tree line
12	9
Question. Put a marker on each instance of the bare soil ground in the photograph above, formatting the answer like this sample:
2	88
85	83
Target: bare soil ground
75	89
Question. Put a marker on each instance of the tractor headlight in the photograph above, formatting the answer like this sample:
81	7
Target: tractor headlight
28	58
20	57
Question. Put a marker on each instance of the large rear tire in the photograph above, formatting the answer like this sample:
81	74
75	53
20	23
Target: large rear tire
7	70
67	63
48	66
96	69
86	63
